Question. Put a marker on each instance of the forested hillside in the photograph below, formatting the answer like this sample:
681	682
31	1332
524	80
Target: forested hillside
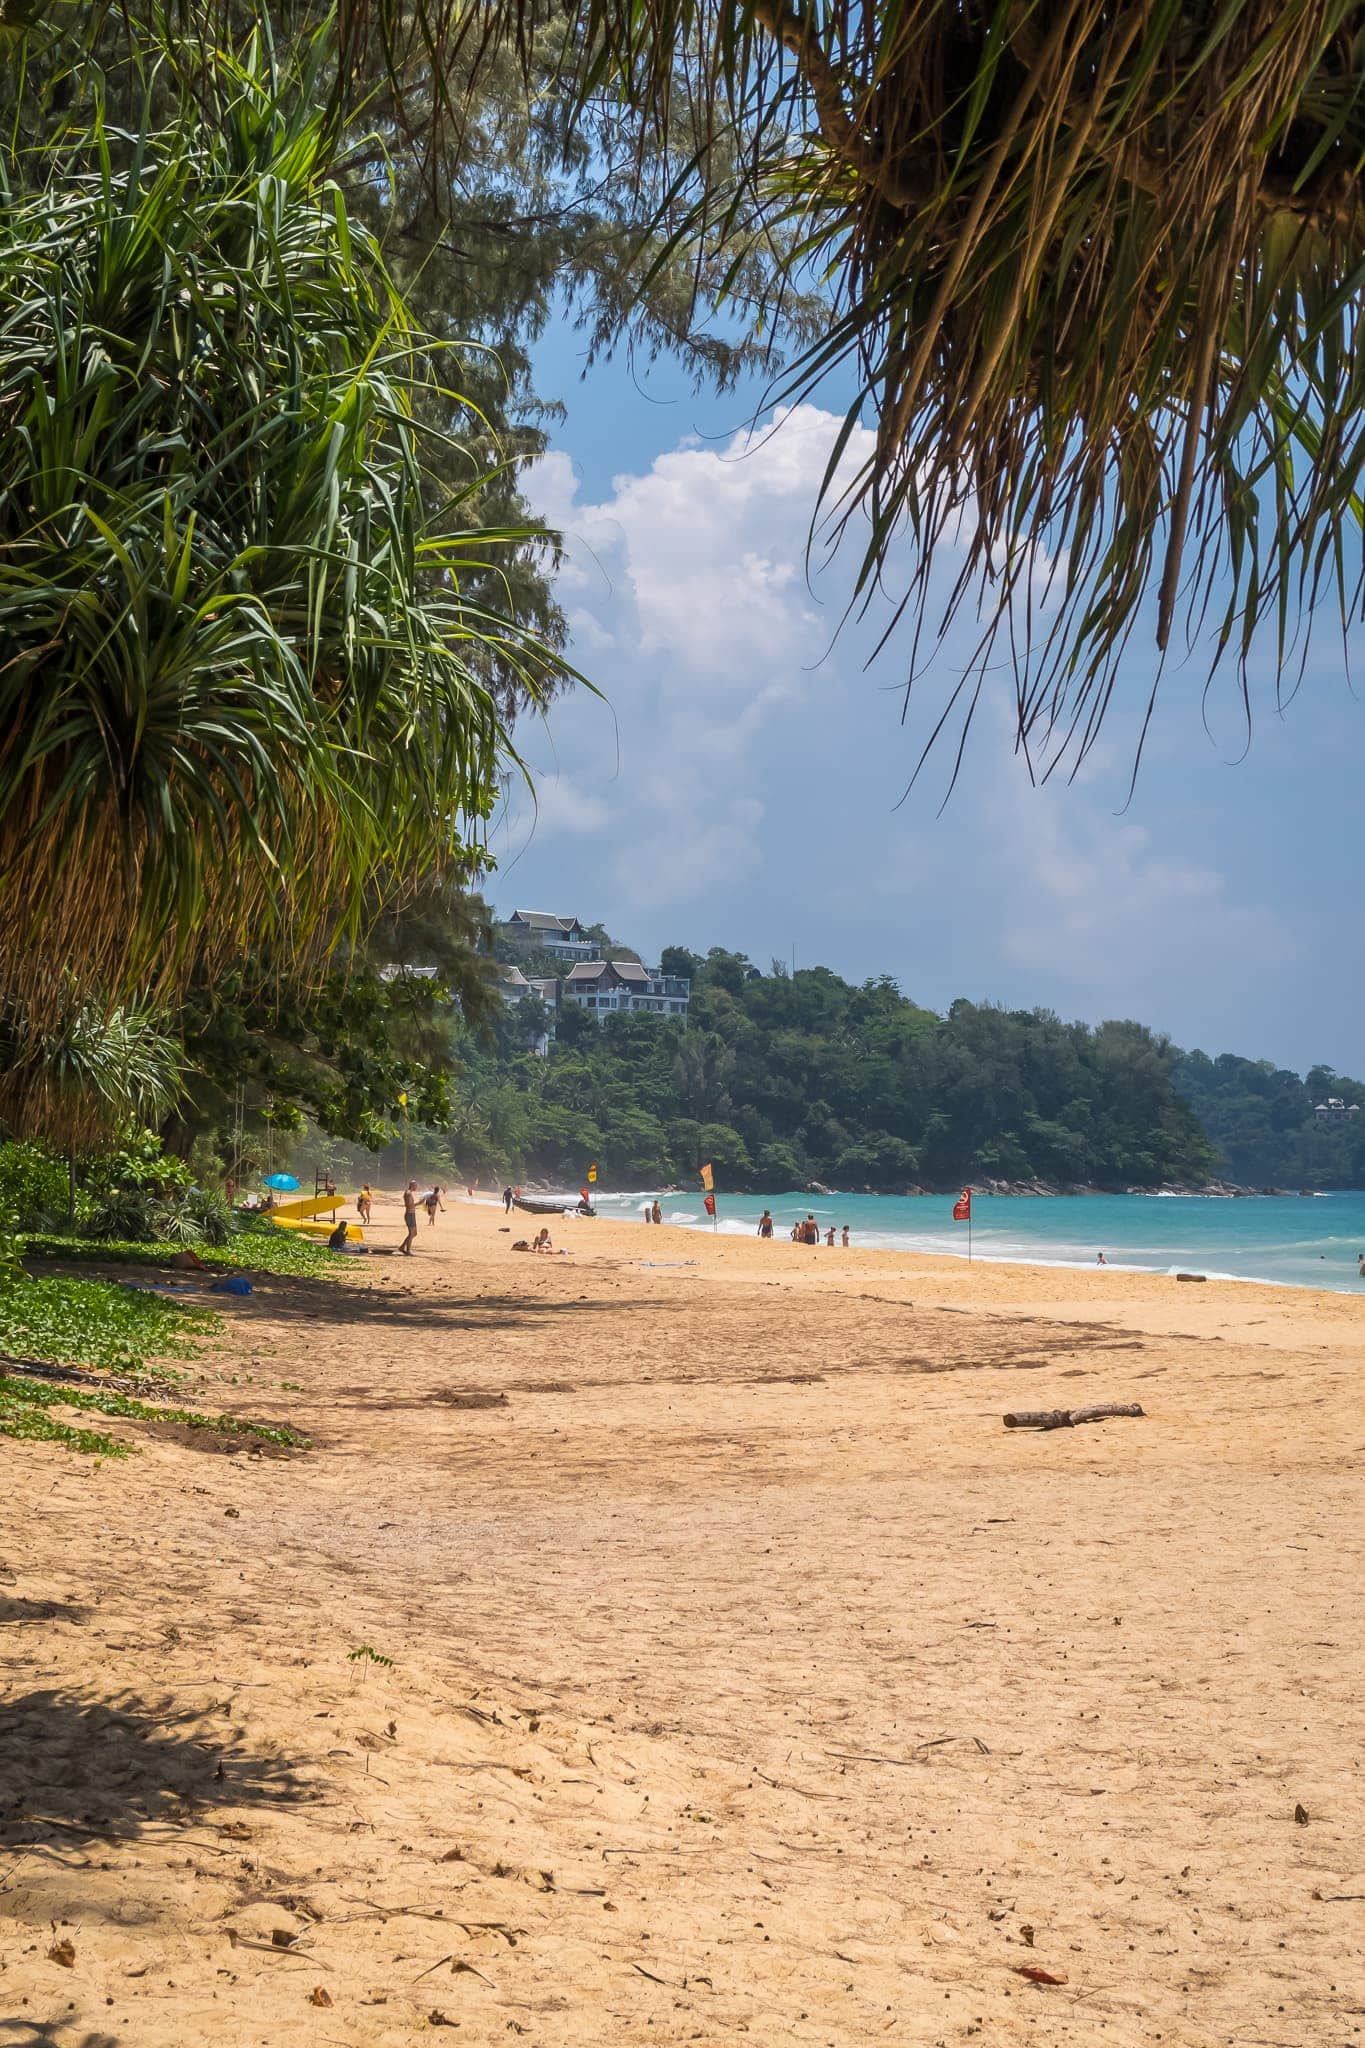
779	1079
1261	1120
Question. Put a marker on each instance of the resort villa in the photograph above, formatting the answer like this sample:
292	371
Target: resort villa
603	987
538	931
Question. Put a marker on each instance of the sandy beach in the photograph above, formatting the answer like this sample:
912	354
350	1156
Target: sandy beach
668	1643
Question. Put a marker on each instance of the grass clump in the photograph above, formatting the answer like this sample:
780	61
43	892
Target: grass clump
21	1396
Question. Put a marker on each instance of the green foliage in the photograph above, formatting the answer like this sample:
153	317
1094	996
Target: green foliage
338	1050
24	1393
80	1072
782	1078
258	1246
97	1323
1262	1120
143	1194
253	693
33	1188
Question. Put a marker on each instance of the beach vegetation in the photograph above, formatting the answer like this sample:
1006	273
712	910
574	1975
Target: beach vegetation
257	700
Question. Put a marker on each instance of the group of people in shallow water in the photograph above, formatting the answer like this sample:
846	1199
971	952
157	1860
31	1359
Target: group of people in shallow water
806	1230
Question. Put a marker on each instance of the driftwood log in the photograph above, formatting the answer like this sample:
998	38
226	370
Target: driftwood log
1067	1418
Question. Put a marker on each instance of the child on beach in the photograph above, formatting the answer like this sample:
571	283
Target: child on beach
845	1237
433	1203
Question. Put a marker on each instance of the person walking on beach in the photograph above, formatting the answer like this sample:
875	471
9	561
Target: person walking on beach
507	1201
657	1214
765	1223
433	1203
362	1203
409	1218
845	1237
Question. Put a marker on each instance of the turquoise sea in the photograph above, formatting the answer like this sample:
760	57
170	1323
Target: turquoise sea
1294	1240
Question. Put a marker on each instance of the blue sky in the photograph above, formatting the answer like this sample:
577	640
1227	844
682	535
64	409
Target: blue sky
742	782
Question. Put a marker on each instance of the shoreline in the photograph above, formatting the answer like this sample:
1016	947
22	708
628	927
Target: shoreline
1163	1265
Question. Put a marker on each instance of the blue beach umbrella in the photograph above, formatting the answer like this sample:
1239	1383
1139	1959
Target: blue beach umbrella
280	1180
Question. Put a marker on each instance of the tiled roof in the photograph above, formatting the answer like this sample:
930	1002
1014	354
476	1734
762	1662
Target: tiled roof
545	920
588	970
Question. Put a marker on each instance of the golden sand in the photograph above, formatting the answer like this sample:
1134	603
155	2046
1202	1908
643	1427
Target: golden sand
748	1678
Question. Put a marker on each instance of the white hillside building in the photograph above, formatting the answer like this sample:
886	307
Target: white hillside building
606	987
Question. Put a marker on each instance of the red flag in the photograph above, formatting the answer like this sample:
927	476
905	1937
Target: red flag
708	1203
708	1179
962	1208
583	1194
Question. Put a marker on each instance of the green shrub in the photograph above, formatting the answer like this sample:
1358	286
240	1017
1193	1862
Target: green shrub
131	1214
34	1190
214	1217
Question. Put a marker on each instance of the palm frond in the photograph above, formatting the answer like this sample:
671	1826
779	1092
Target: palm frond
1095	273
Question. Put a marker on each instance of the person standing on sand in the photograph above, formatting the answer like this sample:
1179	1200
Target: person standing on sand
507	1201
829	1237
362	1203
409	1218
649	1214
810	1229
657	1214
433	1203
845	1237
765	1223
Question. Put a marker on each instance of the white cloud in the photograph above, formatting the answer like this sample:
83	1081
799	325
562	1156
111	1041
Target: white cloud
687	597
738	780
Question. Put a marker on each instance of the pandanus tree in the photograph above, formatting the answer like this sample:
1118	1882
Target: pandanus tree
243	696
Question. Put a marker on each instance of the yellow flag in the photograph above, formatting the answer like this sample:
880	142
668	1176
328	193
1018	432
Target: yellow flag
592	1171
708	1179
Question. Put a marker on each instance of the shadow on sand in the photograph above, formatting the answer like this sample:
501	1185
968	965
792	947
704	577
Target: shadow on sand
77	1769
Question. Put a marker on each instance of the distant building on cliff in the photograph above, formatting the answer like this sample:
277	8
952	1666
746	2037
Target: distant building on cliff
541	931
607	987
1334	1112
